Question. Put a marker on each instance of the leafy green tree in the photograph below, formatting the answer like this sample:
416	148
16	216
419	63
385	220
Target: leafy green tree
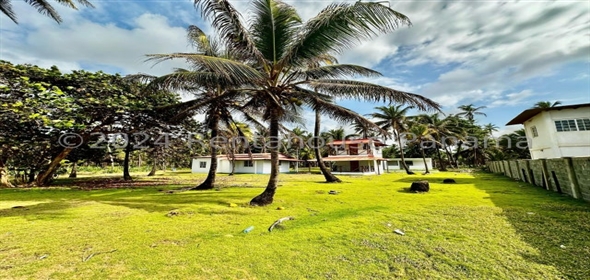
42	7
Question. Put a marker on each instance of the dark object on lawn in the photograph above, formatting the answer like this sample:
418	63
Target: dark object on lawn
278	222
333	192
420	186
17	207
449	181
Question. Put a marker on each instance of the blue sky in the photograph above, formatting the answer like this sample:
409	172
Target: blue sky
504	55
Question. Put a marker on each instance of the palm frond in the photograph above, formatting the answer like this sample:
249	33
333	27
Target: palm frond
234	72
226	21
44	8
341	26
273	27
336	71
6	9
319	102
201	41
372	92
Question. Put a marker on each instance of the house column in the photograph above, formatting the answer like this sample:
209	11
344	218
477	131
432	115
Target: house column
255	166
376	167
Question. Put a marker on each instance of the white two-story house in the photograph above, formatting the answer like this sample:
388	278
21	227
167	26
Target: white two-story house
561	131
357	156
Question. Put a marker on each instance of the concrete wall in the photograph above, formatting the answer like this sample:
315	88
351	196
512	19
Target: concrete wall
567	175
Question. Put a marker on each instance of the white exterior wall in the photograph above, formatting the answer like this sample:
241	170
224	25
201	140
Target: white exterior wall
553	144
417	163
224	166
195	166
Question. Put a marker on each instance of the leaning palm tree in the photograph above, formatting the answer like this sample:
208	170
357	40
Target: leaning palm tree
282	67
546	104
420	134
469	111
42	7
393	118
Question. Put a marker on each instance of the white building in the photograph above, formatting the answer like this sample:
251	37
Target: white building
244	163
357	156
561	131
412	163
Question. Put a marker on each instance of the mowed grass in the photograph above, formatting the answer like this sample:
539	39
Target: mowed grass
485	226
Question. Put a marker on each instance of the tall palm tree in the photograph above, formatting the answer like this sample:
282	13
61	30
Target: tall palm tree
393	118
546	104
284	69
42	7
214	95
469	111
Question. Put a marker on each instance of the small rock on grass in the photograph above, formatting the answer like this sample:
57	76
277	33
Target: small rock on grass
333	192
398	231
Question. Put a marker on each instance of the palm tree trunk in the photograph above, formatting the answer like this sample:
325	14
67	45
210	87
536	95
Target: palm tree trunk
451	158
209	182
441	165
267	196
330	178
126	175
74	172
424	159
401	155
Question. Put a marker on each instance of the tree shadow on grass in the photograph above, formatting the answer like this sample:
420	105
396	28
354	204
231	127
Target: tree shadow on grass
556	225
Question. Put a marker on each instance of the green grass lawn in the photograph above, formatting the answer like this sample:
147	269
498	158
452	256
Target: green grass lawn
485	226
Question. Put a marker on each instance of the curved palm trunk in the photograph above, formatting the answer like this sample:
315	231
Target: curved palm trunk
266	197
451	158
330	178
401	155
126	174
74	172
441	165
424	159
209	182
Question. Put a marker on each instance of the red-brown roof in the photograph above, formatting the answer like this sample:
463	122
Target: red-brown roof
357	141
528	114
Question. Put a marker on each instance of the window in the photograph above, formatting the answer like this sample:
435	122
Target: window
572	125
583	124
280	163
202	164
535	132
409	163
248	163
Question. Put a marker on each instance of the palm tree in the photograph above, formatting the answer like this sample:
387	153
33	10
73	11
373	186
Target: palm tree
440	132
469	111
214	95
334	134
42	7
490	128
546	104
282	67
393	118
419	134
